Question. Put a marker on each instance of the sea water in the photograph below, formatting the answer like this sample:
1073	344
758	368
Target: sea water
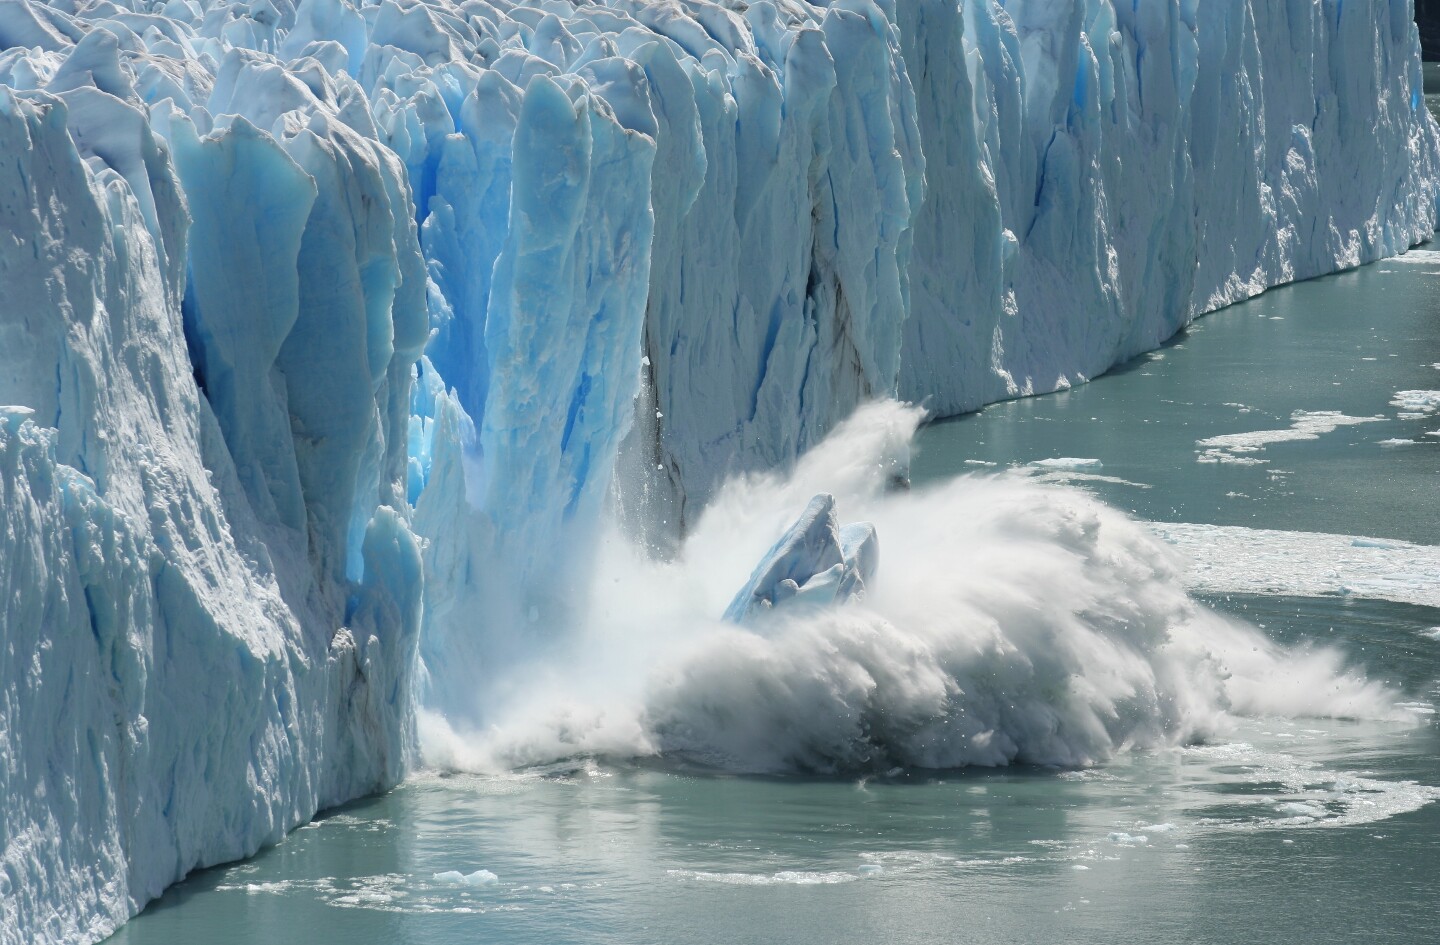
1293	414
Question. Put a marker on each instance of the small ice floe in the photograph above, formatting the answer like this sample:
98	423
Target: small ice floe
1301	810
1159	828
1304	425
457	878
1433	633
1128	839
1068	462
1421	402
782	878
1230	559
1377	543
1230	459
870	869
1395	441
255	888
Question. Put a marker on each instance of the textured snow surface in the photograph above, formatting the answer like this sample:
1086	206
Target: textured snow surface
327	327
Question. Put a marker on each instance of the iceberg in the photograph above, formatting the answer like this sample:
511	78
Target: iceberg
335	330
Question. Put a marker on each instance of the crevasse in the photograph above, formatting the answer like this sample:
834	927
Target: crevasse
332	331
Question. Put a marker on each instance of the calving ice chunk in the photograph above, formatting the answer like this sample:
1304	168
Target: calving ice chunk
336	330
816	562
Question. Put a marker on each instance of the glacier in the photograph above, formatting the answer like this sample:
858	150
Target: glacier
334	333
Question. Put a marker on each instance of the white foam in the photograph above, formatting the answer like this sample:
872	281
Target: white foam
1424	257
1068	462
1304	793
1074	477
1010	621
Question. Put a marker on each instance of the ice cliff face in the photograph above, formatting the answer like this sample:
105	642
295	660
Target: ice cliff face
212	596
327	326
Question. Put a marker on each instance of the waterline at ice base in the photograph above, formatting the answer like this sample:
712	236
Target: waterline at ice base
476	385
1001	621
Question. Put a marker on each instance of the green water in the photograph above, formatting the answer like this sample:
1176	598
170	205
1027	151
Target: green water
1279	832
1346	343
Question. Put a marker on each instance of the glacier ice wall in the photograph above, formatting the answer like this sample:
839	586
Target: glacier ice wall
210	620
331	329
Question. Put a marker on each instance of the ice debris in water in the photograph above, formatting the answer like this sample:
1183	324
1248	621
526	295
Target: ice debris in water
816	562
1304	425
457	878
1417	402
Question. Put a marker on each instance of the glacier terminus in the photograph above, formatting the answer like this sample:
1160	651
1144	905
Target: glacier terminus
336	336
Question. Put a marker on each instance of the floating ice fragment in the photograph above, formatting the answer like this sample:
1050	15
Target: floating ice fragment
1301	809
816	562
457	878
1417	401
782	878
1304	425
1307	564
1377	543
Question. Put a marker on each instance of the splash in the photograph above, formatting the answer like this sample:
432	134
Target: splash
1010	622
